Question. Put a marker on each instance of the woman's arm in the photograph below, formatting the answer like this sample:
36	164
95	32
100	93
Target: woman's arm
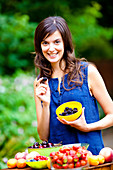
98	89
42	93
100	92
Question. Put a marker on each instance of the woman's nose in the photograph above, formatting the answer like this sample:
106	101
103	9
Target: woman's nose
51	47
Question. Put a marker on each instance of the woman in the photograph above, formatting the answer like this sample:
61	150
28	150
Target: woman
68	79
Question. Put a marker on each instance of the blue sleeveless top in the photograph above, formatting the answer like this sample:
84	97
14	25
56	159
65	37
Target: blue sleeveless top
65	133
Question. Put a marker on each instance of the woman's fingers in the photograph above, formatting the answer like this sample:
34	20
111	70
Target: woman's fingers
40	91
38	81
46	82
63	121
79	123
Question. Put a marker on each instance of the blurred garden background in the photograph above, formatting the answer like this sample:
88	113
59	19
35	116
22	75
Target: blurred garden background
92	31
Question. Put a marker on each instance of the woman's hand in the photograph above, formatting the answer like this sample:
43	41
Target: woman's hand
43	91
79	124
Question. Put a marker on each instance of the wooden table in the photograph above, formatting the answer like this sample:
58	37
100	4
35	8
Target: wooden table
106	166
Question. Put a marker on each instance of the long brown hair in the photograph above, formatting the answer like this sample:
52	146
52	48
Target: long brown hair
45	28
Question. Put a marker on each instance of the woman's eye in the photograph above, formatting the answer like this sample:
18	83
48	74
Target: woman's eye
57	42
44	42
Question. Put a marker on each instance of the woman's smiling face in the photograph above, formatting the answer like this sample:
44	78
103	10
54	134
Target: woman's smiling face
53	47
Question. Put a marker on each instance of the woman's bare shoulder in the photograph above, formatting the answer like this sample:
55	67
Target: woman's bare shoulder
94	77
93	72
92	69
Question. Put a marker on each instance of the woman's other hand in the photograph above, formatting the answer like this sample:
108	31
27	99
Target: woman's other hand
42	90
79	123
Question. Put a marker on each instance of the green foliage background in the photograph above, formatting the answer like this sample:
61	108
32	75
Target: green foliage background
18	125
92	35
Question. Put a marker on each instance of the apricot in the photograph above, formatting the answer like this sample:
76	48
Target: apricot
93	160
12	163
101	159
21	163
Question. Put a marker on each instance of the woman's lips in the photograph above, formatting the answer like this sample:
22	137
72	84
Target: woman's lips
52	55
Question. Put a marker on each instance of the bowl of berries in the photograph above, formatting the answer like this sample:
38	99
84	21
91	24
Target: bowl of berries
44	148
69	111
37	162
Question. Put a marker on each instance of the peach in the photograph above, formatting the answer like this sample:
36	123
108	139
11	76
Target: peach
21	155
32	155
107	152
12	163
21	163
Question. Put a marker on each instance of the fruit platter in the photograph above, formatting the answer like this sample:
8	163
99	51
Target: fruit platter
70	157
